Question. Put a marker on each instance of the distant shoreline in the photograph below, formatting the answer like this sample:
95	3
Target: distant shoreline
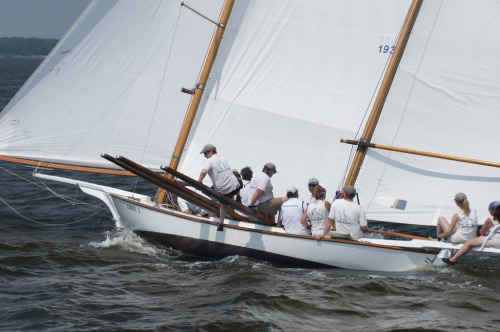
17	56
26	47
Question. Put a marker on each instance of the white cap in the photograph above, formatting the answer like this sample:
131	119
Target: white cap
291	189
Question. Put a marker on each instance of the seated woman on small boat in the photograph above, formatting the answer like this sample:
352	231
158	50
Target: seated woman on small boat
317	212
463	225
494	240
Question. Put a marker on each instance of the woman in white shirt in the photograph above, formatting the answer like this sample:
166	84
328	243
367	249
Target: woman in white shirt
463	225
494	240
317	211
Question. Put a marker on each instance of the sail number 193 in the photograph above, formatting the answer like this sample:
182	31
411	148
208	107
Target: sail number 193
386	49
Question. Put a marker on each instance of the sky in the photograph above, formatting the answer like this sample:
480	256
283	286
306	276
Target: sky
38	18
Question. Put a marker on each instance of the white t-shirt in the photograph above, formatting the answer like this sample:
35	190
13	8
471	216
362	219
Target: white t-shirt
246	193
186	205
291	213
467	227
318	215
262	181
349	217
221	174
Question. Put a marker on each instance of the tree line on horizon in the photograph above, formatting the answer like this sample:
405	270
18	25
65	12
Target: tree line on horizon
26	46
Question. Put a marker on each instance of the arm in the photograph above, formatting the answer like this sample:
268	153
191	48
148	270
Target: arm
328	226
328	205
183	205
303	219
202	175
279	223
255	197
486	227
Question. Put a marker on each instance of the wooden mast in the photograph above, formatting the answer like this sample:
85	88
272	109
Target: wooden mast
382	94
200	86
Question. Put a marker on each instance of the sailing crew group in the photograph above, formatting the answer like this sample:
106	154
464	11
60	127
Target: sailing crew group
319	218
295	216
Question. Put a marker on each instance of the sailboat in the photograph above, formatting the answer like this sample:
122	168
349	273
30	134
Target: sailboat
282	82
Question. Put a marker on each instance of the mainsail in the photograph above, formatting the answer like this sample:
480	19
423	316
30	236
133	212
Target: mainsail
444	99
112	85
291	78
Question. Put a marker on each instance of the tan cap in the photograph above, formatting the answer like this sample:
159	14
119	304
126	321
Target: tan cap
271	167
208	148
460	197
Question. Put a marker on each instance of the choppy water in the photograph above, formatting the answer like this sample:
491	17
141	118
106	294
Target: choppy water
65	267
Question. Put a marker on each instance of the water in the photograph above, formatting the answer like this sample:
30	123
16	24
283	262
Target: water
65	267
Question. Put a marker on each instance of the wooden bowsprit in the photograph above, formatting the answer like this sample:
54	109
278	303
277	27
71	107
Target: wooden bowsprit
257	218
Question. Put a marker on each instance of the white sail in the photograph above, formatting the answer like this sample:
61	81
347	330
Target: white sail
444	99
291	78
112	85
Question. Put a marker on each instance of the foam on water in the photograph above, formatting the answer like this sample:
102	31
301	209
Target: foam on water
127	240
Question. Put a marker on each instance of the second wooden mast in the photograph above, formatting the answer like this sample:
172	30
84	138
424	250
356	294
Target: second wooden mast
383	92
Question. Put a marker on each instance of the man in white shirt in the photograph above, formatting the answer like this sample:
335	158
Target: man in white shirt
222	177
348	216
188	207
246	193
263	196
291	212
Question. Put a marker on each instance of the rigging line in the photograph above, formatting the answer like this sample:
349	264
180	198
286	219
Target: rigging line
382	174
200	14
48	224
351	156
213	40
44	186
159	90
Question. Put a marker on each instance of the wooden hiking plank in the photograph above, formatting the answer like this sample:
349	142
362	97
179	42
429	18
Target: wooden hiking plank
168	185
215	194
171	186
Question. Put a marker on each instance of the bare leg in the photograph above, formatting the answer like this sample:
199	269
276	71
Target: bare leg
474	242
442	226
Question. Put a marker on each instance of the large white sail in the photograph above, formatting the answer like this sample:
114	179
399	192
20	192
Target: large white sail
444	99
291	78
112	85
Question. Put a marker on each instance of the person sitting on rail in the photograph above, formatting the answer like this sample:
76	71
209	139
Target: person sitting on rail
463	225
493	241
347	216
291	212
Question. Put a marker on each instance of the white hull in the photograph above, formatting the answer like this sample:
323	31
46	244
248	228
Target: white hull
200	236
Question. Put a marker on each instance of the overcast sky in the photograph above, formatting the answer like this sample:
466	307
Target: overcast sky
38	18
